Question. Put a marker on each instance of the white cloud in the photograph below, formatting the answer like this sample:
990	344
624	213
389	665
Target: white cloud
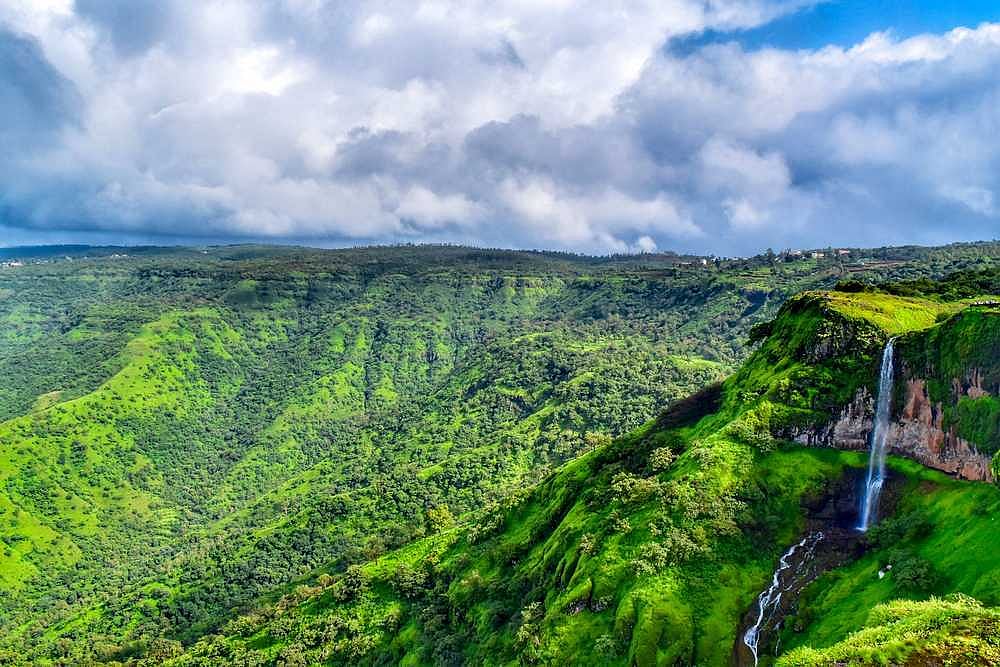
645	244
429	209
505	122
595	221
261	70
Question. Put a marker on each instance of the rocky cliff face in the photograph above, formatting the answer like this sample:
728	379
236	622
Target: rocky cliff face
917	432
920	434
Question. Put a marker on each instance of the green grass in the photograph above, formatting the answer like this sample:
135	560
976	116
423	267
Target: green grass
894	315
960	545
951	631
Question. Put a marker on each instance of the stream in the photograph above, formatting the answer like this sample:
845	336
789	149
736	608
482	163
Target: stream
831	538
793	566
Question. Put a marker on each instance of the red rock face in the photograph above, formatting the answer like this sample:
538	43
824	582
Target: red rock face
918	432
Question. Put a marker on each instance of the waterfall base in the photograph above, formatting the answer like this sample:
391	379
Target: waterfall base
835	515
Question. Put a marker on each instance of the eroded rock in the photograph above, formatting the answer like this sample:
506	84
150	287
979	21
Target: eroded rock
917	432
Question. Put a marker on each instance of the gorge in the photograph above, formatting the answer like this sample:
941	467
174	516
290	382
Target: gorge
452	456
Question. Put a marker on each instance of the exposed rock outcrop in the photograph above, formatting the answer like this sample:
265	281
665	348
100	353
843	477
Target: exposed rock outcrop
917	432
850	430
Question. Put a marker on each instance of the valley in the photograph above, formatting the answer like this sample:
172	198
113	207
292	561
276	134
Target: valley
444	455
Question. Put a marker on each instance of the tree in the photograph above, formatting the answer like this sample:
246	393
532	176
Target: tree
440	518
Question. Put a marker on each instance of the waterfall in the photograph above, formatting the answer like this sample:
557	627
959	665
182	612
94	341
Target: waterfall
876	459
770	600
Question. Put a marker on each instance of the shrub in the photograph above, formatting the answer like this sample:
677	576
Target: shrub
661	459
627	488
912	573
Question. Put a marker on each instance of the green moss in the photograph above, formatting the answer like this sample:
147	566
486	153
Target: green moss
978	421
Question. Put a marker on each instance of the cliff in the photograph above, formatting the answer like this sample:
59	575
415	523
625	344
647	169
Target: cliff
946	412
918	432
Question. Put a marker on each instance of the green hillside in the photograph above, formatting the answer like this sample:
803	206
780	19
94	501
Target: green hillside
445	455
954	631
649	550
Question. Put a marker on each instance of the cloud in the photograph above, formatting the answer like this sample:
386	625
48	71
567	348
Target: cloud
132	27
35	98
565	125
591	219
429	209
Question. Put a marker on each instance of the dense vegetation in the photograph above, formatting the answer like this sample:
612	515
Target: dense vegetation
650	549
284	455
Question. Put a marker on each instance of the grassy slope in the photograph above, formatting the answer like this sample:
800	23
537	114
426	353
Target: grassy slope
950	343
953	631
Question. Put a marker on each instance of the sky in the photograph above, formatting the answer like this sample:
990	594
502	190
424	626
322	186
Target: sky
711	126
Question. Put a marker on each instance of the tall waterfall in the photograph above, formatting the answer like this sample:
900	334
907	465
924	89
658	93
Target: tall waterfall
876	460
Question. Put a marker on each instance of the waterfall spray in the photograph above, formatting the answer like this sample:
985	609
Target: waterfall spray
876	459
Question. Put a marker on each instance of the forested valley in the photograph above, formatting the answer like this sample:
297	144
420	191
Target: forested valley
449	455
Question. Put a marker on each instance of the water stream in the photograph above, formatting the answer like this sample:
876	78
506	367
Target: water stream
792	565
876	460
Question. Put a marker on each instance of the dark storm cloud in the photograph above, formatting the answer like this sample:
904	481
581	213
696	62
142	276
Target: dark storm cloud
35	100
525	124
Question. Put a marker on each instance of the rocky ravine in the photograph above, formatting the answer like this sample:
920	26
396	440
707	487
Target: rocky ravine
917	431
